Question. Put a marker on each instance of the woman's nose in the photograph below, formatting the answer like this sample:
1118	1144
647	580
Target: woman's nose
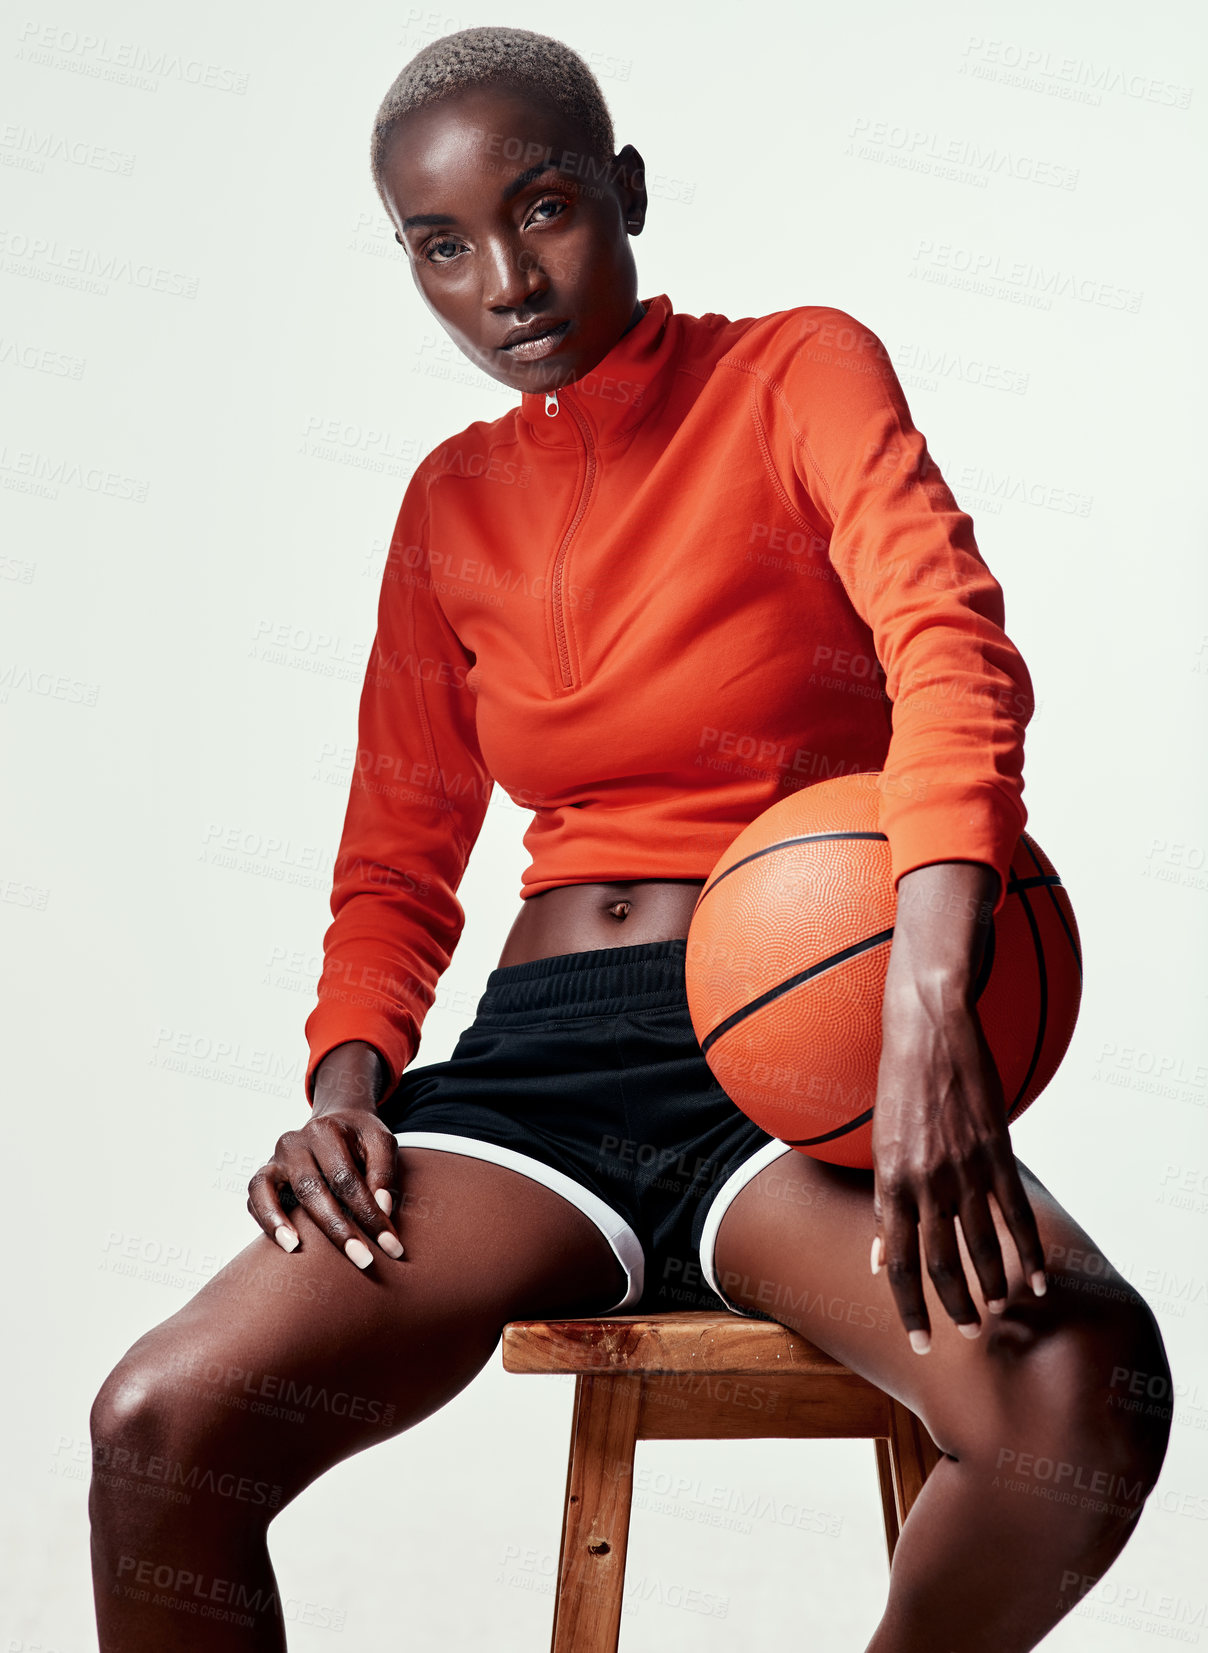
515	277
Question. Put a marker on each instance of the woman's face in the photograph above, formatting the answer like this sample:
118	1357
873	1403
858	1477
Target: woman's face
508	224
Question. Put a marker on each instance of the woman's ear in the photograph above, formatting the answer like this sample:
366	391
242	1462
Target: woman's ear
631	177
399	239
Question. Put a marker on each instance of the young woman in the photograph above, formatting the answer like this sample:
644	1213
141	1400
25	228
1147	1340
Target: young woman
691	539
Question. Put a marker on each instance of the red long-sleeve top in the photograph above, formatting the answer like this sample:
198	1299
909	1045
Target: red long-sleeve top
719	566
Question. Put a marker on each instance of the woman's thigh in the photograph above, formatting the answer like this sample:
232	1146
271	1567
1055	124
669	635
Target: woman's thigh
285	1363
795	1244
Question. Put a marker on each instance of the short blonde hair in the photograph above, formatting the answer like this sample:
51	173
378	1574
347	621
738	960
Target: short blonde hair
475	57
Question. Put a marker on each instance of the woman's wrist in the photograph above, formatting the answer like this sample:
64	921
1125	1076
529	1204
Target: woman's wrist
351	1075
941	928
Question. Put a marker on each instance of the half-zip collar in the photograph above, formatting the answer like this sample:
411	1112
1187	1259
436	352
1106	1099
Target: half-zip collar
622	387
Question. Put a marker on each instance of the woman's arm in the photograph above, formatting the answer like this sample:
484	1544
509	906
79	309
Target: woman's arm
952	778
416	803
939	1135
951	806
353	1075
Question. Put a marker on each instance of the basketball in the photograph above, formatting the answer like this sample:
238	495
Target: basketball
785	967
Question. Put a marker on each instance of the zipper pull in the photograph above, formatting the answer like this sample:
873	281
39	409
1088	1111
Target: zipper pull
551	402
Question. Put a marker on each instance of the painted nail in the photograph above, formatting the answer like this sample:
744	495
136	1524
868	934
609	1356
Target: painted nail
385	1203
286	1238
920	1341
389	1244
876	1260
1039	1283
971	1328
996	1305
359	1252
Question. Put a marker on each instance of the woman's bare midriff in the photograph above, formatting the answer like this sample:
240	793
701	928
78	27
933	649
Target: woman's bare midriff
577	918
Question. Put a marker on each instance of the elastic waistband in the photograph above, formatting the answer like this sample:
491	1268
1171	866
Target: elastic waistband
602	981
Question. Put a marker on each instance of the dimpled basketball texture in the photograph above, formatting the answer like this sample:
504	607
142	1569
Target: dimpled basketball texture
786	959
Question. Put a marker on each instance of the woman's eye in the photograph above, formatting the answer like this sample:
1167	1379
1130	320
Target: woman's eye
551	201
556	203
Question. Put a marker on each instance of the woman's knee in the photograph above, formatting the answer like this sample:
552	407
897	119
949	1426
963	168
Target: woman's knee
1063	1409
1140	1388
146	1426
141	1453
134	1402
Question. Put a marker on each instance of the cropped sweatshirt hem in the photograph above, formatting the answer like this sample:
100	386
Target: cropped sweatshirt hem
721	566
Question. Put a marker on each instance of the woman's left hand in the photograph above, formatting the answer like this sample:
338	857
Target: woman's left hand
939	1138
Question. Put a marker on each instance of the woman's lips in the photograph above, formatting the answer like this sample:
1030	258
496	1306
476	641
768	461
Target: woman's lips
531	350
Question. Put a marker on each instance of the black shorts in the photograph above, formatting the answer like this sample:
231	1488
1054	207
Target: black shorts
583	1072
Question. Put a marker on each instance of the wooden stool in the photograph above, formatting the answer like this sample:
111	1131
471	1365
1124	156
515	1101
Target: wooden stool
690	1376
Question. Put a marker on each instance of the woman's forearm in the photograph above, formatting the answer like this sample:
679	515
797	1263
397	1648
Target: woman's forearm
352	1075
940	930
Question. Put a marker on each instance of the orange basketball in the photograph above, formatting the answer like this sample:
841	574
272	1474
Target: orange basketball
786	959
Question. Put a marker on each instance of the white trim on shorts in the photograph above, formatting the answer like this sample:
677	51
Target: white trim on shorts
734	1183
626	1246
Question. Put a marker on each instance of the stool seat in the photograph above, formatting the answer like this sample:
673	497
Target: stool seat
691	1376
677	1342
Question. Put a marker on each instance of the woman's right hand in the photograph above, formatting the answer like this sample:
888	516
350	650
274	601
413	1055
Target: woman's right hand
341	1165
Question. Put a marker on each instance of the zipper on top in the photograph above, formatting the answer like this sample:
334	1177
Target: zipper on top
551	402
556	601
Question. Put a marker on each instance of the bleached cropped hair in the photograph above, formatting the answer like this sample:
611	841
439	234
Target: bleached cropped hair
475	57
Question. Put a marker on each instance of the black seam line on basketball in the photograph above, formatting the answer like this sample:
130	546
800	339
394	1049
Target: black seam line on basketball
987	963
1042	980
784	843
1015	886
1064	922
829	1136
841	957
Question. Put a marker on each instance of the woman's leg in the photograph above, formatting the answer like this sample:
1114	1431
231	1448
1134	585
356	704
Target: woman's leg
284	1364
1049	1456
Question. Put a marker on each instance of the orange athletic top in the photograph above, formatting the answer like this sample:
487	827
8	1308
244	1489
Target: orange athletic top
719	566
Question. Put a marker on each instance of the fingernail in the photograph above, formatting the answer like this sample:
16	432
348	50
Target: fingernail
385	1203
1039	1283
971	1328
389	1244
996	1305
359	1252
920	1341
875	1258
286	1238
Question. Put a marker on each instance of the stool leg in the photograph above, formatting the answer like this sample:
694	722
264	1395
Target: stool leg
595	1521
913	1455
889	1507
